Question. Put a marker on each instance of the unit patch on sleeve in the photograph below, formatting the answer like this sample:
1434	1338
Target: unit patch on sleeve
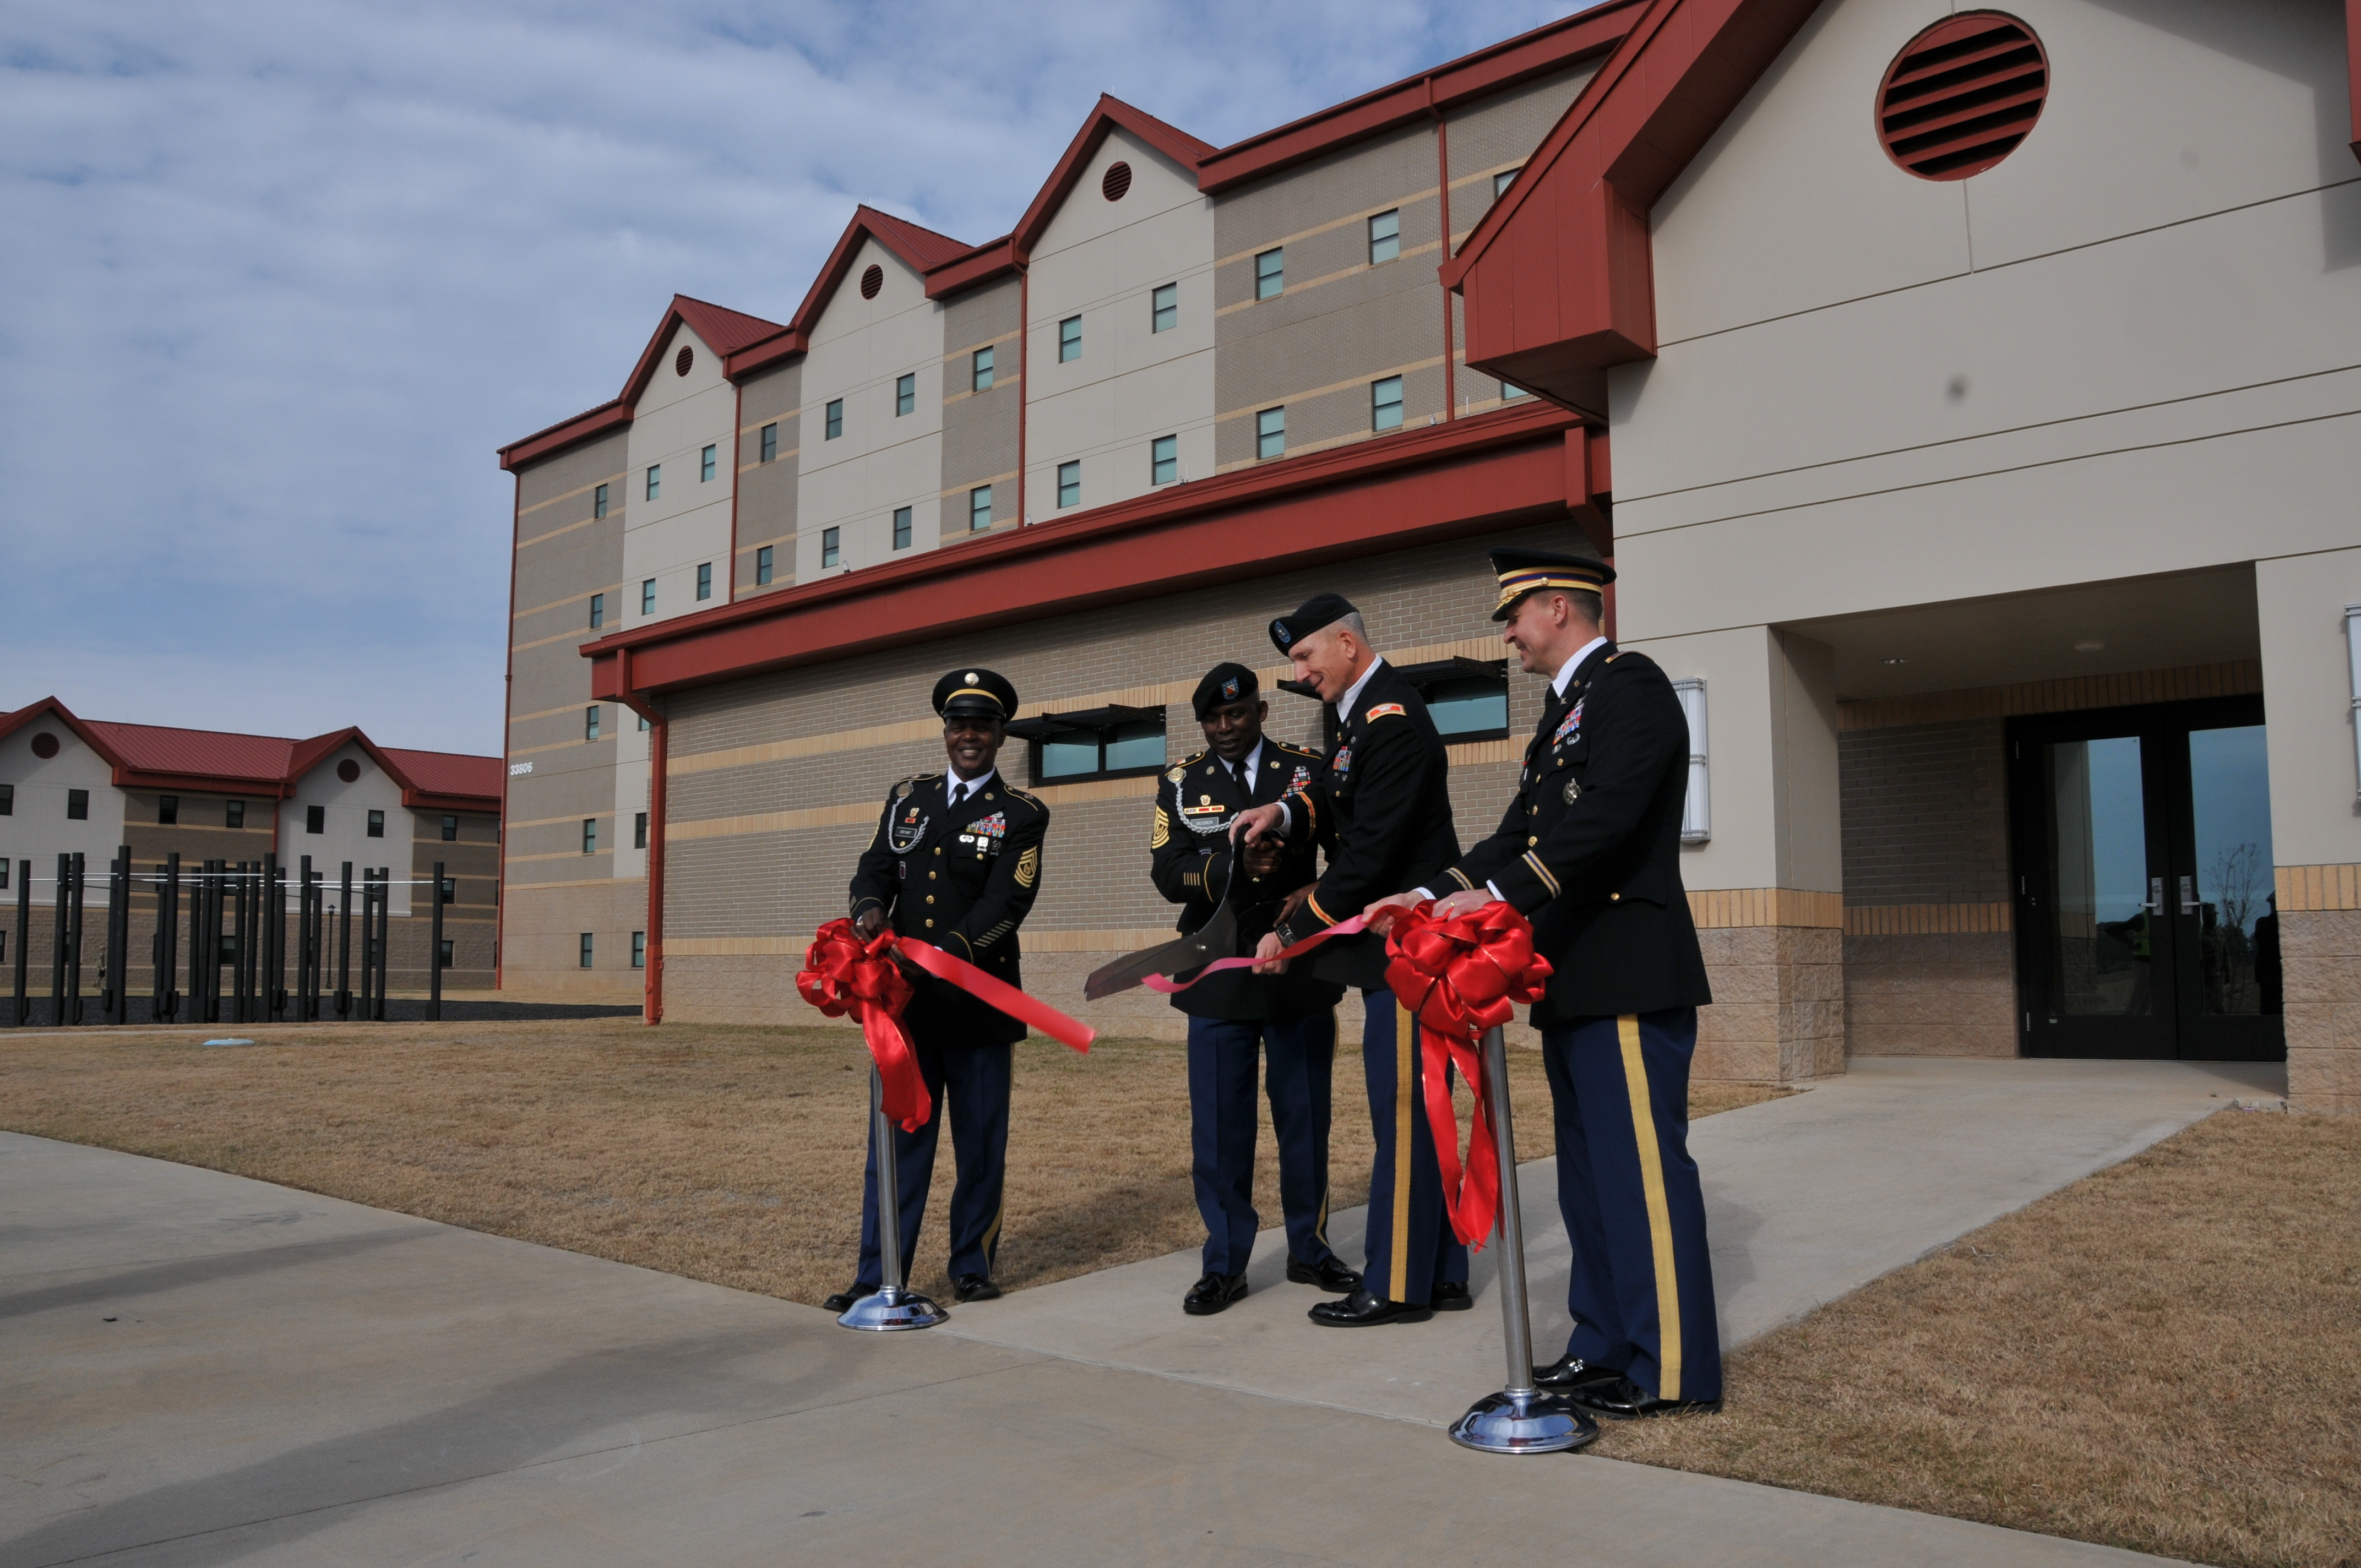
1382	710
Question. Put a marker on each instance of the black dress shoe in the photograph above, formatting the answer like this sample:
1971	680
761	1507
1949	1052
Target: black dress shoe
1452	1297
1213	1293
1570	1371
1362	1310
841	1302
975	1287
1329	1276
1620	1399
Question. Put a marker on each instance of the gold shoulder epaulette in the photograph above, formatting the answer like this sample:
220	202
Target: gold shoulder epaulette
1191	760
1016	794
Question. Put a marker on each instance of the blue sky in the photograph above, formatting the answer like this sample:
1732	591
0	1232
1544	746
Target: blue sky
281	275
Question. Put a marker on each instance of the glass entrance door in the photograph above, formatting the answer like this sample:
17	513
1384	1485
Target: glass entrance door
2143	879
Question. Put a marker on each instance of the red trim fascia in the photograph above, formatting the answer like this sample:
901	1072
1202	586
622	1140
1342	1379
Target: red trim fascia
985	262
1104	117
659	759
1439	482
770	351
868	223
417	800
209	783
1583	35
12	722
564	434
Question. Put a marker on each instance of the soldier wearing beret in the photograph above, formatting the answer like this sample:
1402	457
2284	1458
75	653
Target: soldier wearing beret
1290	1019
1381	803
956	863
1590	851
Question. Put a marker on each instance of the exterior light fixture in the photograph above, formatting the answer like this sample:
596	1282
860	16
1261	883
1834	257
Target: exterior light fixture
1894	661
1696	807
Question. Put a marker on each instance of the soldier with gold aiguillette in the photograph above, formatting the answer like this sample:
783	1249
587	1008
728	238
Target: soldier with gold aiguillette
1289	1020
956	863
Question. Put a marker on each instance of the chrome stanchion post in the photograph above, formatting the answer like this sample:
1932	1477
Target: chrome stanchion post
892	1306
1519	1418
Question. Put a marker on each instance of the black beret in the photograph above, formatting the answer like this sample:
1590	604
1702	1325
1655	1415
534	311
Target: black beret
1224	683
1523	571
1319	611
975	690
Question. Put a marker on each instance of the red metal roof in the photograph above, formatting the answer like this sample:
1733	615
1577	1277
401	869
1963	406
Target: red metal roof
154	749
450	772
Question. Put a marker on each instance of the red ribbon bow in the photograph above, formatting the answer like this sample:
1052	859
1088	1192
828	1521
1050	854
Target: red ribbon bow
844	975
1461	977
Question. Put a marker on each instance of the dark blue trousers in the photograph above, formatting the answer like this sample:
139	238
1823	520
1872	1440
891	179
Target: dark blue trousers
969	1085
1223	1124
1412	1248
1642	1288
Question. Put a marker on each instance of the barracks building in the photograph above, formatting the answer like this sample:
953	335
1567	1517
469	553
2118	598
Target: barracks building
1970	401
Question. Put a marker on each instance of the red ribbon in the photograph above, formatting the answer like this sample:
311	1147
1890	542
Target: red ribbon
1170	986
844	975
1461	977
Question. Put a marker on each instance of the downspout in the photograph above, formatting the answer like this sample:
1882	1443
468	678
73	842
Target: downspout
508	725
659	735
1024	375
1443	189
737	436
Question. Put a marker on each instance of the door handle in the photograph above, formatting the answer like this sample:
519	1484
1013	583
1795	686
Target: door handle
2188	895
2155	904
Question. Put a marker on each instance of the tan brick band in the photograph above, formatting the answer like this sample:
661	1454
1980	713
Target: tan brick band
1728	907
2239	677
2319	887
1925	919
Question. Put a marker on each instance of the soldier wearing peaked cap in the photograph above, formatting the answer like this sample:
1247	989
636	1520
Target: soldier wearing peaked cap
1590	851
1234	1016
956	863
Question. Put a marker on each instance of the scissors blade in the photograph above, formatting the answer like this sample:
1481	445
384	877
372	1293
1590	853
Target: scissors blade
1216	938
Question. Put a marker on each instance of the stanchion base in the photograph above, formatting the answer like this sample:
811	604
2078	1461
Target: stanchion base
1523	1422
890	1309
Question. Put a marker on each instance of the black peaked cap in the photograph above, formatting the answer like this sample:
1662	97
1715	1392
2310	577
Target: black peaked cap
1523	571
976	690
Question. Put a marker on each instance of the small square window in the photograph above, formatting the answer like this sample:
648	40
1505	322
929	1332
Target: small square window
1501	182
830	555
770	443
901	527
648	596
835	418
585	950
705	466
1509	390
590	722
1385	403
450	829
597	611
644	725
979	373
979	508
762	566
1131	746
639	950
639	831
599	502
1164	308
589	835
316	819
905	395
1270	274
234	815
1270	433
450	890
1164	460
656	480
705	580
377	824
1385	237
168	809
1070	339
446	953
1070	483
77	805
7	800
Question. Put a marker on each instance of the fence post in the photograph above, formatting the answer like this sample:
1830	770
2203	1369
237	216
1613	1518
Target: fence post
118	937
344	945
384	935
23	933
167	915
435	952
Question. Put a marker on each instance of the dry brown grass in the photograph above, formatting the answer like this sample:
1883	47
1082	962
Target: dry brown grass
2165	1358
730	1155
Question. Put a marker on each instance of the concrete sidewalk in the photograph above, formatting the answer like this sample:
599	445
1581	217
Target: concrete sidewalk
204	1369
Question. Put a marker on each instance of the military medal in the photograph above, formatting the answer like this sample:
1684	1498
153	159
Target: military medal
1571	724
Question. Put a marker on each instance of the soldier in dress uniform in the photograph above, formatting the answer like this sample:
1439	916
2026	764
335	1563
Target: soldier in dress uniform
1381	806
956	863
1291	1018
1590	851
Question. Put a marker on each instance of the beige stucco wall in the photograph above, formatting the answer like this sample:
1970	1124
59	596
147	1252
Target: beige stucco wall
344	834
687	523
38	830
858	349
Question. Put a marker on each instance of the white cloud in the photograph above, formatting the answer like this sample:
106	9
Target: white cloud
281	275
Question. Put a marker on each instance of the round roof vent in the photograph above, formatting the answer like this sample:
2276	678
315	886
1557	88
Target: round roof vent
871	280
45	745
350	771
1961	94
683	360
1115	181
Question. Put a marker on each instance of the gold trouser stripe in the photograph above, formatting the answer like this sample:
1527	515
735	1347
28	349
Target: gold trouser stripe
1660	1213
991	1236
1405	1042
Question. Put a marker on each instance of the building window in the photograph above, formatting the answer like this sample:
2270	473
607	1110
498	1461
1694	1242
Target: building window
835	418
1385	403
589	835
639	831
639	950
8	804
1164	308
233	816
316	819
979	375
450	829
829	555
644	725
1070	339
979	508
1100	743
705	580
446	953
901	527
1507	391
1164	460
1467	698
450	890
648	596
656	480
1270	274
1270	433
1501	182
1385	237
78	805
585	950
597	611
770	443
1070	483
590	722
168	809
705	466
762	560
905	395
599	502
377	824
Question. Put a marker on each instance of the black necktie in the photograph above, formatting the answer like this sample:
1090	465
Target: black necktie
1246	784
959	794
